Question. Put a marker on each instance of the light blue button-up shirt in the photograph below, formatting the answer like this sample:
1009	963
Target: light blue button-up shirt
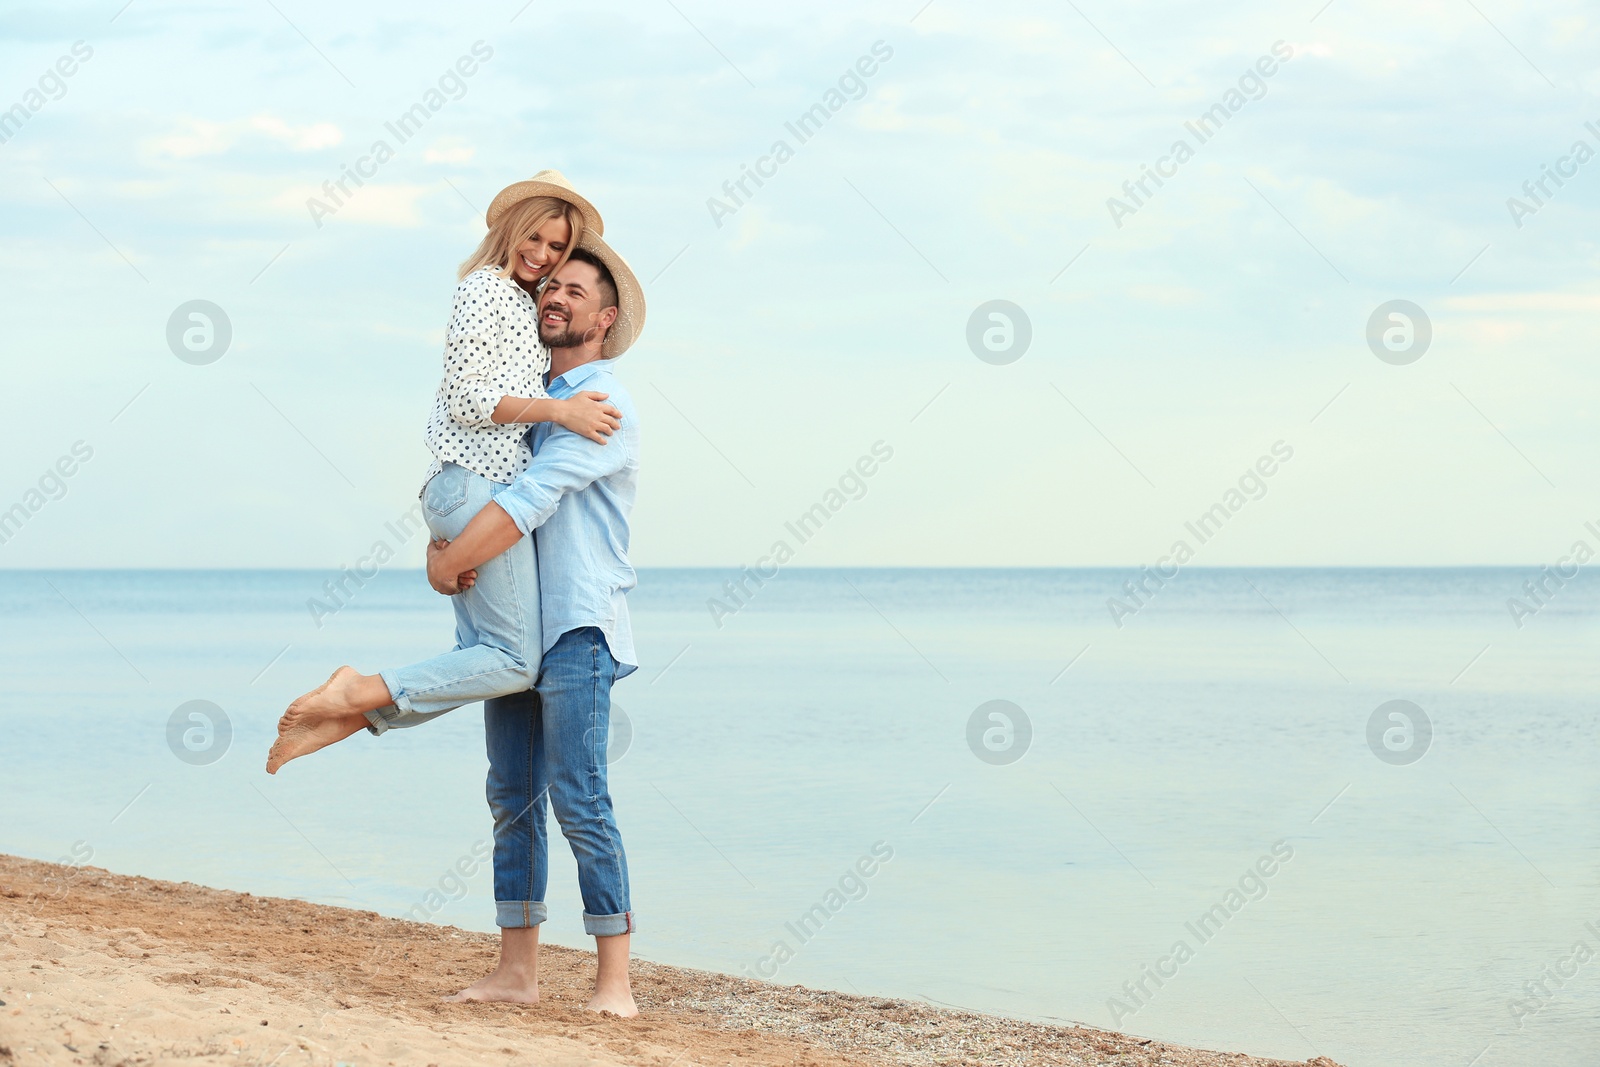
574	499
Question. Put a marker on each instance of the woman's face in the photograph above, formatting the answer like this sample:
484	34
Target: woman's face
533	259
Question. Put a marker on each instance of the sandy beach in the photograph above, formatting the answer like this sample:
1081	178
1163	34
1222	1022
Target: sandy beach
112	970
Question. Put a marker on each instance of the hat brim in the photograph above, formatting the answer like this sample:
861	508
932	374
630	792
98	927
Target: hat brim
630	297
520	191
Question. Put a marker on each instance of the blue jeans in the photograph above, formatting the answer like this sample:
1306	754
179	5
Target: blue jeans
497	620
552	742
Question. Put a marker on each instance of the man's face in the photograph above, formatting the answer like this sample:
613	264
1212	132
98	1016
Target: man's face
569	308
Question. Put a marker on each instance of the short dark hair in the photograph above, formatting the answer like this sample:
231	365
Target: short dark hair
608	284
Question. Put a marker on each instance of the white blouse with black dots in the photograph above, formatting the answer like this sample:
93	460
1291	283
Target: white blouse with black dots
491	350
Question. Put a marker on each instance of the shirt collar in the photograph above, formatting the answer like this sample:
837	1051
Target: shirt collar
512	284
582	373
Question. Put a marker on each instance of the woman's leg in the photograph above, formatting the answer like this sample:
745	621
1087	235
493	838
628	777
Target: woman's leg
497	643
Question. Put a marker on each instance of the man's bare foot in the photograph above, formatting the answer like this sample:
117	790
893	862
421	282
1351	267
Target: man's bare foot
615	1001
502	987
302	739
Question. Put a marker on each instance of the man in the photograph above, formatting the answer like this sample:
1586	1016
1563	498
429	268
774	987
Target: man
574	500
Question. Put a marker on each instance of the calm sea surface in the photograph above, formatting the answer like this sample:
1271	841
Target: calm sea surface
1097	852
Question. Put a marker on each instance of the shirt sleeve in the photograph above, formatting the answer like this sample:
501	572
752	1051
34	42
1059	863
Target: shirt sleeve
471	346
564	463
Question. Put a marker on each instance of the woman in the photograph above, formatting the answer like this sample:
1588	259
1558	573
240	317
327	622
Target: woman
493	386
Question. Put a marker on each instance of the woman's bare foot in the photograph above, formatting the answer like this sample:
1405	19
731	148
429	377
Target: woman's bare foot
615	1001
502	987
333	699
302	739
331	712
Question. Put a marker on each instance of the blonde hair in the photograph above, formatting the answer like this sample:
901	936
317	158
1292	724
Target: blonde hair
515	225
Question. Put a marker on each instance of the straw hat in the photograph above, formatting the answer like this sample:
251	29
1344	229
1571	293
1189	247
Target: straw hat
545	183
630	297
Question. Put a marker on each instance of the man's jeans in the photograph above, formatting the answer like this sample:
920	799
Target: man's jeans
497	619
553	741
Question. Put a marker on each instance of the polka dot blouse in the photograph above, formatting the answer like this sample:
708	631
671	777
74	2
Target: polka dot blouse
491	350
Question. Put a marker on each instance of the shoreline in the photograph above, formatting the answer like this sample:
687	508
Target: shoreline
120	970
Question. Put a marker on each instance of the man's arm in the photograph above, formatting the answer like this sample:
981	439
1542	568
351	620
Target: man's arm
565	463
490	533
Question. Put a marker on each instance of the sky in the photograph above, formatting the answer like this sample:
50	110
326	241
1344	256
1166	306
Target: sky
1181	338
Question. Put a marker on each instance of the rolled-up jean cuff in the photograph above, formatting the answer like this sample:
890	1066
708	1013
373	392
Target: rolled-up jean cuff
379	720
608	925
516	914
384	718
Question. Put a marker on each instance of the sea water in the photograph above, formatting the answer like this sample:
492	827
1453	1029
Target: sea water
1189	811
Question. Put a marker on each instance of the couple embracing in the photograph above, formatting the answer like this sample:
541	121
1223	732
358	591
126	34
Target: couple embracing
535	470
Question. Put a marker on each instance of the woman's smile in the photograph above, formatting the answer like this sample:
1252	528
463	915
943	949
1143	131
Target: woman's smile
537	255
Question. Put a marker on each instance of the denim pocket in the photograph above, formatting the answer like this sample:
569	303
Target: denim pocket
446	490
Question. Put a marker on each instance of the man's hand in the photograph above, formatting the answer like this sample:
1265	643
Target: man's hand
453	565
446	581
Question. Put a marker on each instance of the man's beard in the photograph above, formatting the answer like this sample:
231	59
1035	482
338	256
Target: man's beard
563	336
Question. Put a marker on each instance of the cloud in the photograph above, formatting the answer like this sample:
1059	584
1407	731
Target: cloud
1164	294
202	137
372	204
449	150
755	225
1524	302
889	110
432	338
